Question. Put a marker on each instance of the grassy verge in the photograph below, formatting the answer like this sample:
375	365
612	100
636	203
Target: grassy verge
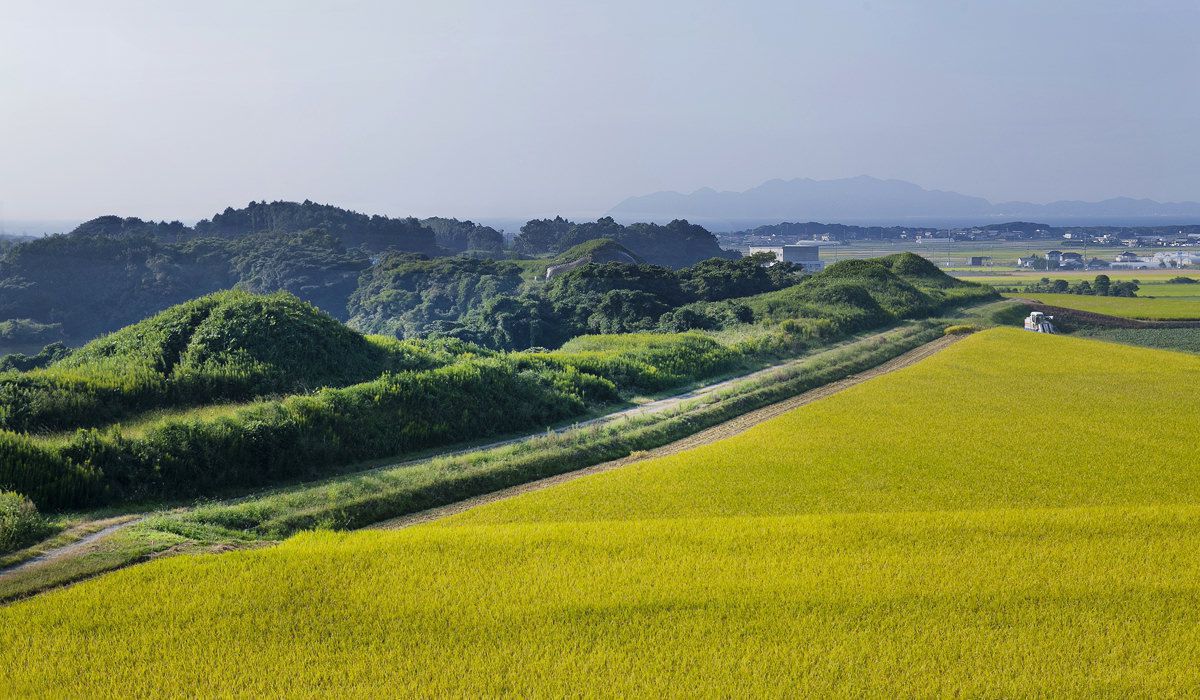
121	549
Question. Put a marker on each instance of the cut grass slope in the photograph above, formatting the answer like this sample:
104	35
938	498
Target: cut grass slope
1015	516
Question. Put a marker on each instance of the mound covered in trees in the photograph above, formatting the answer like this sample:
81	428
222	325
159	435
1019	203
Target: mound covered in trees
85	285
677	244
355	230
488	303
456	236
409	295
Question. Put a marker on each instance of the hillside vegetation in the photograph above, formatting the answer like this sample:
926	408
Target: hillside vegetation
320	396
900	537
113	271
229	345
677	244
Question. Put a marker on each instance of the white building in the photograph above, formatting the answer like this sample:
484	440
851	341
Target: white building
808	256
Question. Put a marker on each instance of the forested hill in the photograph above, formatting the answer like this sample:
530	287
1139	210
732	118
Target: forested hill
678	244
373	233
112	271
87	284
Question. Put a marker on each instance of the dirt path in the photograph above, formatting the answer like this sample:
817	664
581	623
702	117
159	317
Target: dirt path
74	547
724	430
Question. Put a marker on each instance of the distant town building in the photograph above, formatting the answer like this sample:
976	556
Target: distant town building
978	260
1127	256
808	256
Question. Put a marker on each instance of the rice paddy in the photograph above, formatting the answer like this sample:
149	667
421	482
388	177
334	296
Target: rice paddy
1016	516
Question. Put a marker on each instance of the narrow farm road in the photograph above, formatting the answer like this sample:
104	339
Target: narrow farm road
88	539
727	429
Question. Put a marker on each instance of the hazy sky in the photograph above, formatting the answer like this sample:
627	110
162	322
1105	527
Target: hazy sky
166	109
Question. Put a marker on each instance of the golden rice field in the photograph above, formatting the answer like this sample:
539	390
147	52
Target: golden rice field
1016	516
1156	308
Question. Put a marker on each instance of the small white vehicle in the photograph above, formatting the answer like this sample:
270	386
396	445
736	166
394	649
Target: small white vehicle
1039	322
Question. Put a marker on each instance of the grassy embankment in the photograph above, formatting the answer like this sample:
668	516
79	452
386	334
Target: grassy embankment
940	530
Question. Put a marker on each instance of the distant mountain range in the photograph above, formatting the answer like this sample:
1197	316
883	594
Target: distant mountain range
865	199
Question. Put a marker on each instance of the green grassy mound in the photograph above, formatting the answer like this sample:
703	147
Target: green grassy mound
281	340
598	250
229	345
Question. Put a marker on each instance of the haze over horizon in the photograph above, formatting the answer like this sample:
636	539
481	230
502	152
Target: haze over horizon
475	110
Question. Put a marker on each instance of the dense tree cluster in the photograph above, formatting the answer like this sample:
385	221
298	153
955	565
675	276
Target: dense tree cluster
486	302
677	244
408	295
456	236
373	233
91	284
1102	286
112	271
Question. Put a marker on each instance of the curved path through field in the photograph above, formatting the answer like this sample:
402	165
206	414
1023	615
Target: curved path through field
717	432
88	536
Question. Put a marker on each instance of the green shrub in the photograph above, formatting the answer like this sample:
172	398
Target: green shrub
20	523
963	329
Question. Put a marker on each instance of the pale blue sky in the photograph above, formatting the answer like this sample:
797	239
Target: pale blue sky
514	109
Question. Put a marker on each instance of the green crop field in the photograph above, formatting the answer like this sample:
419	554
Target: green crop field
1182	339
1148	278
1165	308
1017	516
1170	290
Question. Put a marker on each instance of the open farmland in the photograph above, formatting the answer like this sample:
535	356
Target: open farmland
974	524
1150	279
1182	339
1149	308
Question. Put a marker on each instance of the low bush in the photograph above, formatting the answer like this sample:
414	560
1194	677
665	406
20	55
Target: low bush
20	523
964	329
